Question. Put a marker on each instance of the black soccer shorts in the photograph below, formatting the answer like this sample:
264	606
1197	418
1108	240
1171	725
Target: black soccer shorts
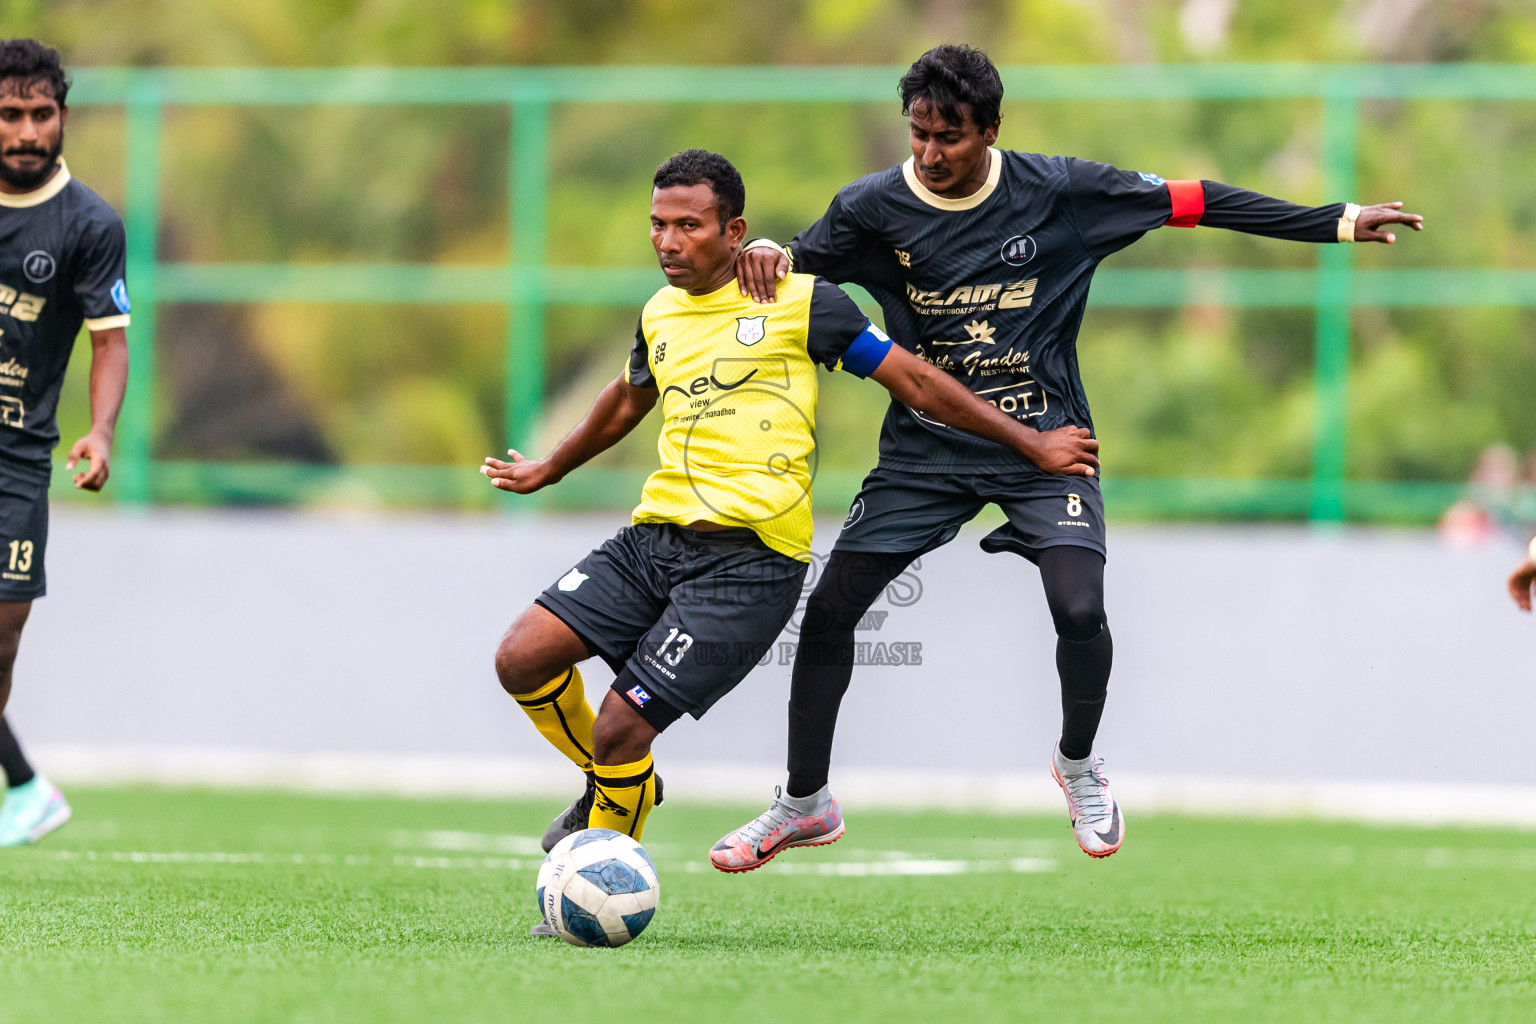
899	511
23	532
689	612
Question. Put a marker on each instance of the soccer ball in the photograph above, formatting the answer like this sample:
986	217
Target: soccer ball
598	887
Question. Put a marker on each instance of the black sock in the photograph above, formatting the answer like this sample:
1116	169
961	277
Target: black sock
1074	590
12	761
849	584
1084	668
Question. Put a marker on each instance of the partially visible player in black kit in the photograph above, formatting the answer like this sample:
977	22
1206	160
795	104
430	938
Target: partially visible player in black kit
981	260
61	266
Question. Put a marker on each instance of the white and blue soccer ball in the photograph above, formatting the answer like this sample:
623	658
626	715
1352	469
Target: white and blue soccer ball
598	887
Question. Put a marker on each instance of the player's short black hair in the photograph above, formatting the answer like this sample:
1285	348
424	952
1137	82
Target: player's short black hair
949	75
34	64
701	167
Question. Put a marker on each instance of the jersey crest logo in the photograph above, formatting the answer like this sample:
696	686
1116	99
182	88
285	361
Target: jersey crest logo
120	295
750	329
1018	250
38	266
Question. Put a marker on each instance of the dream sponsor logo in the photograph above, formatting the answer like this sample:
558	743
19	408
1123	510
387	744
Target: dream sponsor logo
973	298
20	305
571	580
38	266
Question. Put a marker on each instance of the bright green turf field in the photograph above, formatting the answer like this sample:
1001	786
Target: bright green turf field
289	908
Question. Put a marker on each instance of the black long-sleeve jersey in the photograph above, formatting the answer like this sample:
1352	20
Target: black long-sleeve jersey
61	265
992	288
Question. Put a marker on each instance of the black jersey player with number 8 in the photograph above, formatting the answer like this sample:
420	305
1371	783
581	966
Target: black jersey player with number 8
61	267
981	260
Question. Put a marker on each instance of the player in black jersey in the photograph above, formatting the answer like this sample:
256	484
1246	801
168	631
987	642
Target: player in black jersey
61	266
981	260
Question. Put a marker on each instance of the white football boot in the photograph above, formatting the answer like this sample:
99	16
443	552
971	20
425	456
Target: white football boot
814	820
1096	819
31	811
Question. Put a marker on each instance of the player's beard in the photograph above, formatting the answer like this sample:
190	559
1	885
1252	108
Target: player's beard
29	180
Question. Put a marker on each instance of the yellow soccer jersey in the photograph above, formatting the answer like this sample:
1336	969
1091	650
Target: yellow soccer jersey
738	401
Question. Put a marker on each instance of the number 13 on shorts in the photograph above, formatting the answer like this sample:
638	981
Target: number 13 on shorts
21	556
684	641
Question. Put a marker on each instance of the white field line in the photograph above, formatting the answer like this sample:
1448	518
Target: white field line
1383	802
871	864
852	869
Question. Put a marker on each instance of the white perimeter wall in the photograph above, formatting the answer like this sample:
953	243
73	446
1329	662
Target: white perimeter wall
242	641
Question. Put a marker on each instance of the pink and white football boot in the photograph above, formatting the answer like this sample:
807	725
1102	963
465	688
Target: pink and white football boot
814	820
1096	819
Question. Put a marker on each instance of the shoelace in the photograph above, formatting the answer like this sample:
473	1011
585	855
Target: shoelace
758	828
1088	792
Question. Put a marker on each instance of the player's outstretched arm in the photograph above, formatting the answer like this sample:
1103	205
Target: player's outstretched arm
619	409
1523	580
109	381
1068	451
1213	204
1371	219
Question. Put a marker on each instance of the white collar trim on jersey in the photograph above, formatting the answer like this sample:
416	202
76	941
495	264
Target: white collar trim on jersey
40	195
970	202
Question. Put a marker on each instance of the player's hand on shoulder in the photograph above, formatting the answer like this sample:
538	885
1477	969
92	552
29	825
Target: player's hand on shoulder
1520	584
93	448
520	476
1372	218
759	271
1068	451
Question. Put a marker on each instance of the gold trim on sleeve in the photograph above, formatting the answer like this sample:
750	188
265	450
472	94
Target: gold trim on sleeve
38	196
1347	222
107	323
970	202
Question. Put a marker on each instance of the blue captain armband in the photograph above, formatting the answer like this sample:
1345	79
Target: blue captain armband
867	351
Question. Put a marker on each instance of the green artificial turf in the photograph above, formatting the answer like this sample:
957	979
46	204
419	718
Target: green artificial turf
161	905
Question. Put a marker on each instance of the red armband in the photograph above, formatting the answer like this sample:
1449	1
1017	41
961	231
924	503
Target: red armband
1188	203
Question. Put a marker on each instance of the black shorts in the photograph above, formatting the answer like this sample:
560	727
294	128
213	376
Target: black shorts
23	532
689	612
899	511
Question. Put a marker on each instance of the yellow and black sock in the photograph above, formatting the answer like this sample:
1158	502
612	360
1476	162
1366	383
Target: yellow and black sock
625	795
560	711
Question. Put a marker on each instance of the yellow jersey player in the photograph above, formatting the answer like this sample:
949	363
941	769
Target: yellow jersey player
1523	579
683	602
